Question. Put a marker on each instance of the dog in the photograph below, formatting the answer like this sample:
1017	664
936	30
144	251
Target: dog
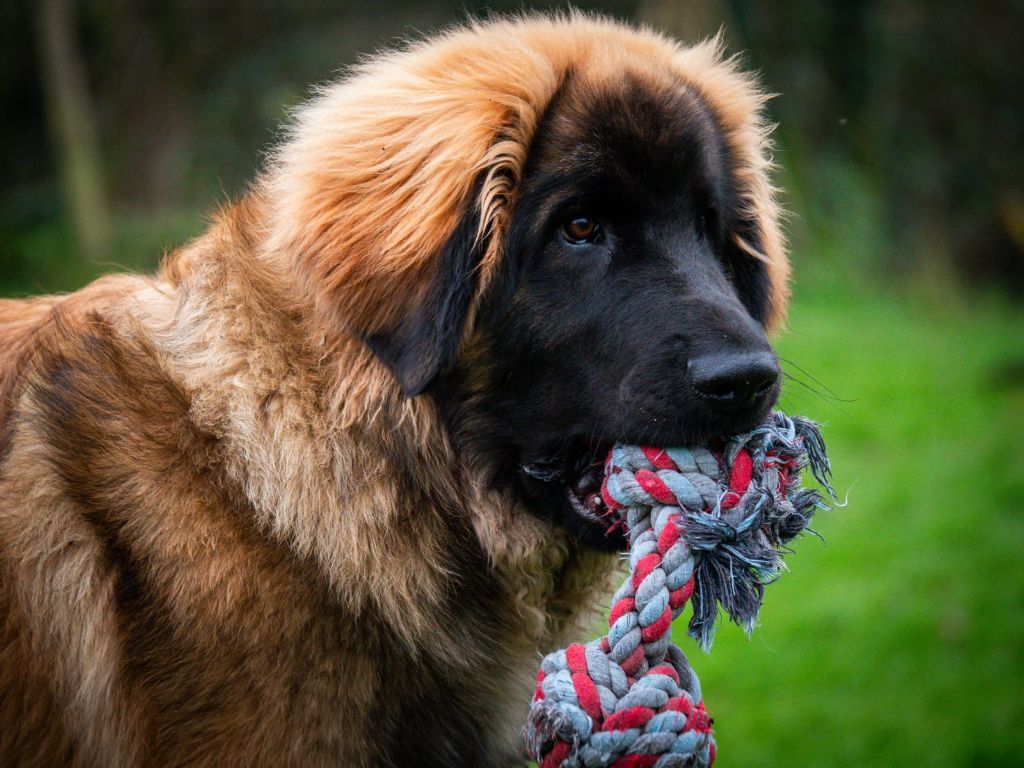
322	489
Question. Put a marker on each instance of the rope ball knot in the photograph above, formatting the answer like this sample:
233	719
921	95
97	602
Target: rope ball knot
707	525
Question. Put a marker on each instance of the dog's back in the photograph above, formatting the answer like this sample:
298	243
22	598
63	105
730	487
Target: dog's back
19	316
18	319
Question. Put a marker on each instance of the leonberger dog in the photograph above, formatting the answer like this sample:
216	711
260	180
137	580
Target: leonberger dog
322	490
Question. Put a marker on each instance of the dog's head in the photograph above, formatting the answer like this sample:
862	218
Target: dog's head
561	231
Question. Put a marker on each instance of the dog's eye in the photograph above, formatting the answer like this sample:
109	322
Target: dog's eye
579	230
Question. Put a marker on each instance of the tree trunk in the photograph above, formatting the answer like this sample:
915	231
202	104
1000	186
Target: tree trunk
73	127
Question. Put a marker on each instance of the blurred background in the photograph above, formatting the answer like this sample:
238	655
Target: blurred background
900	639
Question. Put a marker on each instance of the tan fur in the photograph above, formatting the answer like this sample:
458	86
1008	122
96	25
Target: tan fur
217	511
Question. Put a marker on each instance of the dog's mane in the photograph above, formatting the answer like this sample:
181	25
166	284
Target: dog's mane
376	169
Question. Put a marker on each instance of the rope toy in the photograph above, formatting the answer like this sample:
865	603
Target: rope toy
706	525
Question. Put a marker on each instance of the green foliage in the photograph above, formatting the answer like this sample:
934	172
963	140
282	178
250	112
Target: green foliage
43	258
900	640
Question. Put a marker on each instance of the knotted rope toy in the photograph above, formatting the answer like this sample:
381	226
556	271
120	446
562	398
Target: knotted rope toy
704	525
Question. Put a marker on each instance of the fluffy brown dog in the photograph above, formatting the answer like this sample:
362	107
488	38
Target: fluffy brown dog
320	491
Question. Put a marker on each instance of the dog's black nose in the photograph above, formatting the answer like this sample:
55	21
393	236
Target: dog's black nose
732	381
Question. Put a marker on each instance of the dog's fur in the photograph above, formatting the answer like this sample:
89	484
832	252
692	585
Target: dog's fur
232	532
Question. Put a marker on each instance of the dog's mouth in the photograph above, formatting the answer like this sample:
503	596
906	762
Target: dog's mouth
583	483
576	469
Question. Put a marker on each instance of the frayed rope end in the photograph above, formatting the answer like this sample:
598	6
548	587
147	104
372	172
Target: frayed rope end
740	550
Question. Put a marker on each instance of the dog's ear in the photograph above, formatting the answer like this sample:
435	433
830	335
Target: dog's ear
426	339
747	267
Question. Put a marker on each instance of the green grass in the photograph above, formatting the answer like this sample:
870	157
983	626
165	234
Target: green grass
900	640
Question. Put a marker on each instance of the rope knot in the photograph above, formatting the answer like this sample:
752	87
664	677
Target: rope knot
705	526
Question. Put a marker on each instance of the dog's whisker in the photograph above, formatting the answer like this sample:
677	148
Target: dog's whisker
817	392
802	396
789	400
815	380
